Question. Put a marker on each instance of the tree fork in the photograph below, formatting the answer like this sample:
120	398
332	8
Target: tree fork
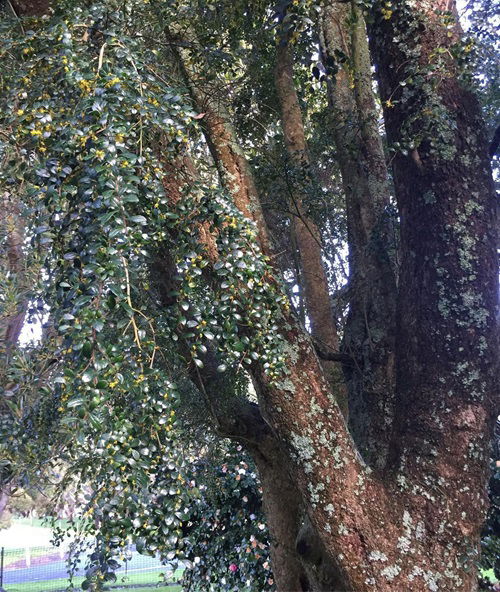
369	332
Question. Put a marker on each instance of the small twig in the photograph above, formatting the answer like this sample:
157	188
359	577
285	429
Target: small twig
101	57
330	355
17	16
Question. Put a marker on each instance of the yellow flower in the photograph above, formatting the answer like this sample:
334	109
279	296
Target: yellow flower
36	132
389	104
85	85
100	154
112	82
20	111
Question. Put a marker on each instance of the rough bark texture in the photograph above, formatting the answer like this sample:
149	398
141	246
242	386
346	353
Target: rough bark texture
446	352
398	535
307	235
419	528
221	138
282	506
369	331
12	261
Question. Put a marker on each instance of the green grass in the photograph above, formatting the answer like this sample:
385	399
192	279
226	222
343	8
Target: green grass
60	585
123	584
13	555
41	522
43	586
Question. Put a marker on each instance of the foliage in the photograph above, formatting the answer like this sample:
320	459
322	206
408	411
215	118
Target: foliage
92	126
141	285
229	549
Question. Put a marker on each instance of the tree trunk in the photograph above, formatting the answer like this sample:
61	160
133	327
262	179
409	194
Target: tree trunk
400	533
12	261
242	421
447	341
308	237
282	503
369	331
14	305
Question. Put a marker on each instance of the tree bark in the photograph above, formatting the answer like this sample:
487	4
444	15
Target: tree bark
12	268
369	331
447	340
308	237
282	504
400	533
12	262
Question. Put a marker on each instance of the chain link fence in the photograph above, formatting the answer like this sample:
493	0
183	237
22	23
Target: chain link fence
45	569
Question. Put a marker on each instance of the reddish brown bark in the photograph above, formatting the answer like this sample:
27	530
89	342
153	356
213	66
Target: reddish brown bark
307	235
283	509
398	534
241	420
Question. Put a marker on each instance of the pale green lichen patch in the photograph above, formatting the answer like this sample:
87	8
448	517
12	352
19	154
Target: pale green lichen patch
303	446
377	556
391	571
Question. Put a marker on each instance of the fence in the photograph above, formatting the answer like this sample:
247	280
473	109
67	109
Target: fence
44	569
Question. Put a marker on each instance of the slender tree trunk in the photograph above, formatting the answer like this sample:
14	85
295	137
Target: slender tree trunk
369	331
12	264
282	504
308	237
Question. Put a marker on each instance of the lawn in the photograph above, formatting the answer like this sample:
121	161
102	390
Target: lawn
59	586
13	555
145	582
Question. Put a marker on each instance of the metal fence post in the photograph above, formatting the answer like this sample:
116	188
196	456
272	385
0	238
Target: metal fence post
2	551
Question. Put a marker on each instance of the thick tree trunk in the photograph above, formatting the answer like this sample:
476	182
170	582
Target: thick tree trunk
447	346
369	331
418	531
282	506
396	535
307	235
